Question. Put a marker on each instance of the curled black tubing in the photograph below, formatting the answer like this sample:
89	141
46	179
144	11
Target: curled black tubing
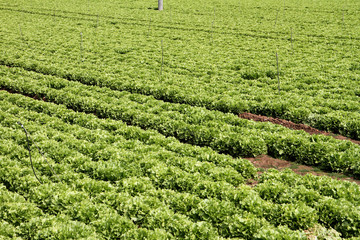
28	143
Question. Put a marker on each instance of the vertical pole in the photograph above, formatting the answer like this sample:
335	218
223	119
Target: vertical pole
160	5
212	26
211	36
170	13
292	49
21	35
81	46
162	57
149	26
277	13
278	74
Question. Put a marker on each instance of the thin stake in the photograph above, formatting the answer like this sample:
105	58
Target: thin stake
81	46
278	73
211	34
21	35
277	13
212	26
54	17
149	26
162	57
292	49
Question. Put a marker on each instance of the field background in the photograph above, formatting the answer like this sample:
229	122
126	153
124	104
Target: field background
137	111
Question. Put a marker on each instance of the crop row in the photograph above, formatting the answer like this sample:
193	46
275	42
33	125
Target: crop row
125	199
182	16
57	210
41	110
72	196
326	110
107	147
157	175
73	200
222	132
171	178
212	208
148	137
313	91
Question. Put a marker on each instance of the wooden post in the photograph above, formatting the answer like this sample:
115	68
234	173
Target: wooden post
160	5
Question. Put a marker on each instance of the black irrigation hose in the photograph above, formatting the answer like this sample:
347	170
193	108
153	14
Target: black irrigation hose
28	143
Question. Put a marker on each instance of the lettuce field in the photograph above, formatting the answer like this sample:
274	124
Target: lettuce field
119	121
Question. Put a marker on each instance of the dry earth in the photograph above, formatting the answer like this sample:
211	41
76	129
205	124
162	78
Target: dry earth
264	162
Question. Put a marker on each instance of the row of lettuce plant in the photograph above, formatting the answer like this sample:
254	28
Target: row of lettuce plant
326	104
75	199
318	150
145	214
32	220
334	118
159	178
148	137
119	128
213	209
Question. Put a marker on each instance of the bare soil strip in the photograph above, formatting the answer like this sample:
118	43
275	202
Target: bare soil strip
264	162
292	125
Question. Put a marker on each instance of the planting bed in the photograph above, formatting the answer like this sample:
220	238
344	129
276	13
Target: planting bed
215	119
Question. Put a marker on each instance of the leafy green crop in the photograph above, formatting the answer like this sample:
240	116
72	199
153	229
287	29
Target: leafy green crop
233	73
141	155
222	132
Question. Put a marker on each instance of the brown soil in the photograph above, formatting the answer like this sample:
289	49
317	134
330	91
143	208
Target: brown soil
264	162
292	125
